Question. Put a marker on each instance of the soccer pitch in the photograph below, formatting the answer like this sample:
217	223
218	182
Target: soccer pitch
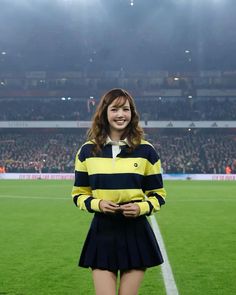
42	232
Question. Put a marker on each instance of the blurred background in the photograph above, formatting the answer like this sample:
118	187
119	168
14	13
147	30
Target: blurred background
176	57
129	35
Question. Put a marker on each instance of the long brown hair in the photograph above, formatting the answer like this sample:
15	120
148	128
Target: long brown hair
100	127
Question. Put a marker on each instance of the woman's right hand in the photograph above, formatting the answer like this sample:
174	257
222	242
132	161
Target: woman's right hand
109	207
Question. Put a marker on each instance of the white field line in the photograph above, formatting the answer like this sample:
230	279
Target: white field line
225	199
169	281
35	198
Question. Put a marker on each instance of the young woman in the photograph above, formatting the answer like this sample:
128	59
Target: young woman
118	178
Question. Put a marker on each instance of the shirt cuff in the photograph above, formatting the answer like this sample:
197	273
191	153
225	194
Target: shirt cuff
95	205
144	207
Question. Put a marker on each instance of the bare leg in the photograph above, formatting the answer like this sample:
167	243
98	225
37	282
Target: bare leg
104	282
130	282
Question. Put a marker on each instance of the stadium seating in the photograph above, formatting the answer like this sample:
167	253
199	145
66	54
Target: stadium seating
53	152
152	109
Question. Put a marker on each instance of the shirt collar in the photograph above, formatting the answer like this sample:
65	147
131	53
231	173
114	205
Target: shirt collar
119	142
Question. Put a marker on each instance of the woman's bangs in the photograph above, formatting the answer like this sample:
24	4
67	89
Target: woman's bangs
120	101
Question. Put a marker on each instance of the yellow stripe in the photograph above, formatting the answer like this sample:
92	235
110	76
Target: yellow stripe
153	169
81	190
79	166
160	191
119	196
117	165
143	141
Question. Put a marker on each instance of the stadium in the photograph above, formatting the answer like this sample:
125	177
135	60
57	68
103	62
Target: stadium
177	59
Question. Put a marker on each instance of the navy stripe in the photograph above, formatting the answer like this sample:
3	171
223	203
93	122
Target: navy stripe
116	181
159	198
150	208
152	182
81	179
75	198
87	203
86	152
145	151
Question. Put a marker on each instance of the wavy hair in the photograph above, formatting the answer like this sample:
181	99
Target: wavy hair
99	130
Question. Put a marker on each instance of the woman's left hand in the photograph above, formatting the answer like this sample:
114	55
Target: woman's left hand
130	210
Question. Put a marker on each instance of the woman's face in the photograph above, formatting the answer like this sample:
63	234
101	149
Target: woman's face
118	116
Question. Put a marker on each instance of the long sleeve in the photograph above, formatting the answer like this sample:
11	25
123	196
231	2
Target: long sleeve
152	185
81	192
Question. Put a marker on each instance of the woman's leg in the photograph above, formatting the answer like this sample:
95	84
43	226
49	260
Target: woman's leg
104	282
130	281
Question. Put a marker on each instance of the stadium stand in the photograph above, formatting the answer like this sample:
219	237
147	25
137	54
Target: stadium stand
181	152
160	96
151	108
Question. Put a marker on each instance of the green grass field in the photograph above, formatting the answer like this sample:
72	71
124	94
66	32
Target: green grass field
42	232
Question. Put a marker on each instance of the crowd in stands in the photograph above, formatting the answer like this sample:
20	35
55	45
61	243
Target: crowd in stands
159	108
197	153
188	109
41	152
54	152
47	152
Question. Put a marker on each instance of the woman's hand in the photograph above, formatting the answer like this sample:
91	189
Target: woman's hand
109	207
130	210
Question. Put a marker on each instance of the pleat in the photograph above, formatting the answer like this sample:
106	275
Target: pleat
115	242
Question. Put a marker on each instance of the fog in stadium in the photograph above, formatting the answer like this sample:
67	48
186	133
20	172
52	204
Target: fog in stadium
80	35
177	58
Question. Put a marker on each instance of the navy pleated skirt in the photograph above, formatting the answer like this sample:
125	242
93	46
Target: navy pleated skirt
115	242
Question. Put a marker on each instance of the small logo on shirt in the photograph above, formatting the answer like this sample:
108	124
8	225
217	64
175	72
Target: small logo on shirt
135	164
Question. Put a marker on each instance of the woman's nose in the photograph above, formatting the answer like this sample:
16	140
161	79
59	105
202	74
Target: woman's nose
120	112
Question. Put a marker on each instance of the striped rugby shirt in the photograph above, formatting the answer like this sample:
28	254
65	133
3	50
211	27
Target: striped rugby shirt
118	176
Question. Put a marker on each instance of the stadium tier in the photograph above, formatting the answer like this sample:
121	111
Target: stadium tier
150	108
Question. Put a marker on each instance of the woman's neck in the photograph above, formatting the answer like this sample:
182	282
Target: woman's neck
116	136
